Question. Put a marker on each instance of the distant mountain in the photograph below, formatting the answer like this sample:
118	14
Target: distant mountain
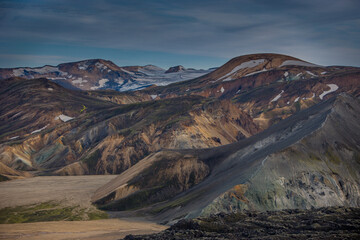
269	87
254	70
175	69
97	74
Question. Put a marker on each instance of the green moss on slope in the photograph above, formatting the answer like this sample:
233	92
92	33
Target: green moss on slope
48	211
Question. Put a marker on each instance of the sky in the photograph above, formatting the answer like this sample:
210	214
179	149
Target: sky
192	33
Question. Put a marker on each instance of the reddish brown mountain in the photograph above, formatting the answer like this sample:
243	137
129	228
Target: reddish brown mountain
49	128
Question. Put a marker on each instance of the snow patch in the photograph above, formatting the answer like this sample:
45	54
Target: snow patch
225	80
48	69
50	89
298	63
310	73
40	71
18	72
253	73
79	81
286	74
333	88
83	66
100	66
131	73
323	73
297	99
248	64
152	75
17	114
14	137
119	80
38	130
63	118
313	95
222	90
102	83
277	97
153	96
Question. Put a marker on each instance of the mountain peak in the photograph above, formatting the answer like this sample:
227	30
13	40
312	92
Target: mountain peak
178	68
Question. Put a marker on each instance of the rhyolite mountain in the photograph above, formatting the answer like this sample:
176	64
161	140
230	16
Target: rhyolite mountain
96	74
309	160
55	130
48	128
218	129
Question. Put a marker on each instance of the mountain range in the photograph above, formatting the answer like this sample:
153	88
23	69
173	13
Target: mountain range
96	74
261	132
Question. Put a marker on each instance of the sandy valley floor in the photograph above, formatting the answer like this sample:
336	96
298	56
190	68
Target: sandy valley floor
71	190
106	229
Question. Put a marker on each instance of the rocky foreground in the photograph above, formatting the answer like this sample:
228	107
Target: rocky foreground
322	223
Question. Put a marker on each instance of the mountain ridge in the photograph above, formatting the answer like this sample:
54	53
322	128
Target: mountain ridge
93	74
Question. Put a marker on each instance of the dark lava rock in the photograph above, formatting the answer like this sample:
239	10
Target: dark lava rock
322	223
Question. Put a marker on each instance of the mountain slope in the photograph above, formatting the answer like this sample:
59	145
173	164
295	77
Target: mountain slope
58	131
304	161
96	74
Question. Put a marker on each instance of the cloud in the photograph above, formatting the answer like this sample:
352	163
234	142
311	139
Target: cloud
16	60
214	28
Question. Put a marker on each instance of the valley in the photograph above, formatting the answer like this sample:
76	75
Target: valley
175	120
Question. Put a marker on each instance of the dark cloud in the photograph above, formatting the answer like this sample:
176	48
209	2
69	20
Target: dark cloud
325	32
